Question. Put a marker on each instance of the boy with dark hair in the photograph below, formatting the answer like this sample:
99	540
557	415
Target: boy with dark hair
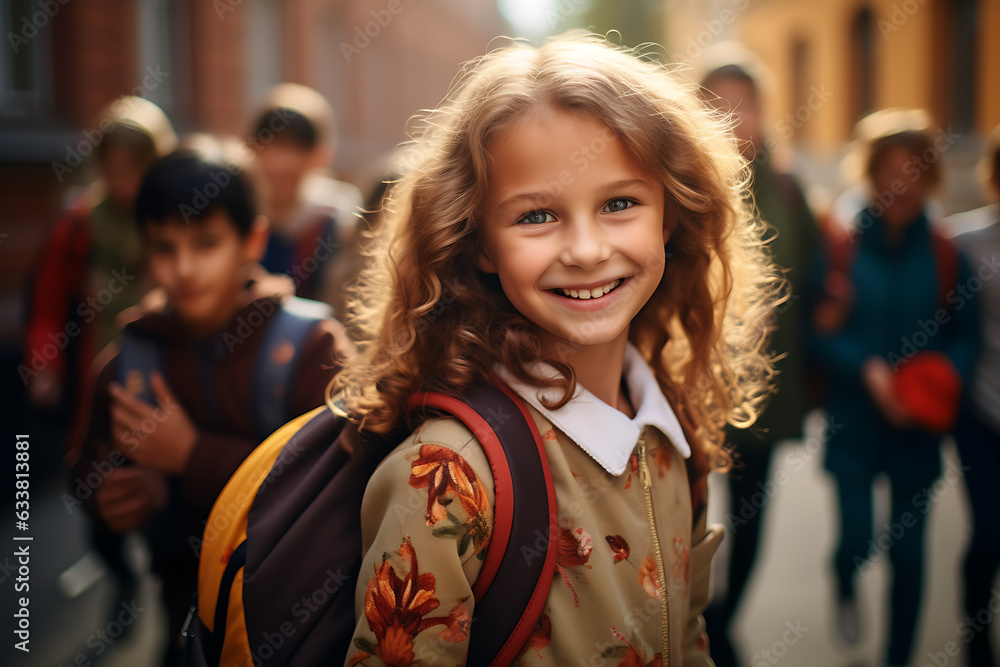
199	381
312	215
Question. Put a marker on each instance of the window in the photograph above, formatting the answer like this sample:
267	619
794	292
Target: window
156	51
25	26
263	49
862	67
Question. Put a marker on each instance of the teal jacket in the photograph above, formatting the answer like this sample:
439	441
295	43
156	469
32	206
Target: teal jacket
895	314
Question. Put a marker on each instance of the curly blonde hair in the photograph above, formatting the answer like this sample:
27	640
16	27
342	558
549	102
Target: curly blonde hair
433	322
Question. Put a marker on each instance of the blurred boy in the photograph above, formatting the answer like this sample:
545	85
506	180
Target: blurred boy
93	253
734	87
312	215
214	362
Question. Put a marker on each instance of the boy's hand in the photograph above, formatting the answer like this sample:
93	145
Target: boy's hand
129	496
159	437
45	389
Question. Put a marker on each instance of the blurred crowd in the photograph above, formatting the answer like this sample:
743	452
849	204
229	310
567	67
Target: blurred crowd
153	296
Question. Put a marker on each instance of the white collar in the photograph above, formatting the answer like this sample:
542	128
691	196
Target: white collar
605	433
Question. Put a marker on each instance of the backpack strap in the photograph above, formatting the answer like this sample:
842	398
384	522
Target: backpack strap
946	264
321	238
277	359
138	358
517	572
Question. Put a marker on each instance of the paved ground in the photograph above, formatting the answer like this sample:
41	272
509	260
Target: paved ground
793	582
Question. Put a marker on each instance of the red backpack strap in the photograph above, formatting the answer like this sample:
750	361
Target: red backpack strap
946	265
840	249
520	560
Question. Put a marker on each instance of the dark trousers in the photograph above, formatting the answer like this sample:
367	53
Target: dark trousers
979	449
901	542
743	532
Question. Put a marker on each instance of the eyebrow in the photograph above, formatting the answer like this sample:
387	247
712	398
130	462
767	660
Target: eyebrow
534	197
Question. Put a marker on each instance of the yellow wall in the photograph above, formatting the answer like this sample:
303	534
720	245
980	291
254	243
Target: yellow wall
907	55
988	84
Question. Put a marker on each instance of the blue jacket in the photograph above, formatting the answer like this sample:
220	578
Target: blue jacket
897	299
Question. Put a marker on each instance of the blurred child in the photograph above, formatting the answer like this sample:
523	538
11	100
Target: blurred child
896	348
91	267
733	88
312	215
90	270
575	228
200	381
978	431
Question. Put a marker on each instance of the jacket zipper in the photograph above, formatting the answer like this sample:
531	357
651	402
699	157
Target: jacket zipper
664	597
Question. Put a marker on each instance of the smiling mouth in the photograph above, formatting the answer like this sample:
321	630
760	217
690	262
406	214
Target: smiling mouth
593	293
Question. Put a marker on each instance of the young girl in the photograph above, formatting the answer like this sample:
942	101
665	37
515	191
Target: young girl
576	226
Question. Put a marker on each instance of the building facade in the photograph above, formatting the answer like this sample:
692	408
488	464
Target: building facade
207	63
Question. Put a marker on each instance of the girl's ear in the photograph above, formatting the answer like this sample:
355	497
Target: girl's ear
484	263
669	217
255	244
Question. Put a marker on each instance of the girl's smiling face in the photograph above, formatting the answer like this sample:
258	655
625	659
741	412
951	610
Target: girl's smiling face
573	226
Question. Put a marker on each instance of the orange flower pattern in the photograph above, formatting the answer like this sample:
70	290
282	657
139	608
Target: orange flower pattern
682	566
633	464
573	550
406	608
649	578
635	657
540	637
619	546
396	608
662	461
447	478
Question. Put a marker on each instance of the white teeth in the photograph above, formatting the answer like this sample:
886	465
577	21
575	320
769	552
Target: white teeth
593	293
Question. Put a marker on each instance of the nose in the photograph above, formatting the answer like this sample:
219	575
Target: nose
586	244
184	263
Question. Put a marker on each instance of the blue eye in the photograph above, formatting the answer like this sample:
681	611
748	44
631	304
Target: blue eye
536	218
617	205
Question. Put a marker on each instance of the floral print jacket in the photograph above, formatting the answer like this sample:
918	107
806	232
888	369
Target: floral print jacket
427	519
